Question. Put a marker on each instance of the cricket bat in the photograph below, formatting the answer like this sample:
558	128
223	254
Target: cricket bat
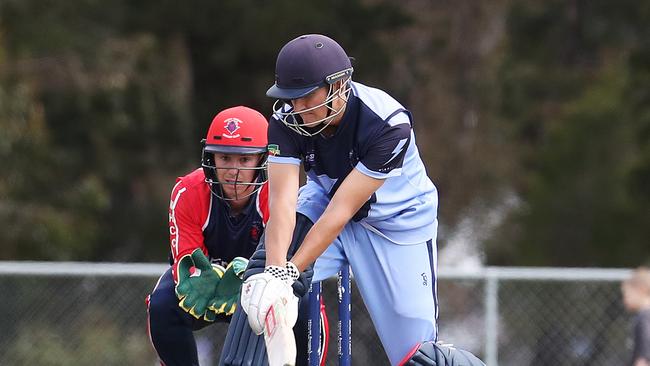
278	336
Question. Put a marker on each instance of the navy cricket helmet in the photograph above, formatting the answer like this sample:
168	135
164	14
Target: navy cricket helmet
305	64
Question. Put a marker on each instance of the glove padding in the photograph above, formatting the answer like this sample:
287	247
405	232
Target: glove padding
210	315
227	292
196	290
262	290
256	265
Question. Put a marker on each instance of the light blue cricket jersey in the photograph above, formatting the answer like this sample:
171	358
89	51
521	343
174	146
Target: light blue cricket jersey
375	136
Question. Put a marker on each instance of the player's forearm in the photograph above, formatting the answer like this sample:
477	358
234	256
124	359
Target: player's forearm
351	195
278	236
320	236
283	196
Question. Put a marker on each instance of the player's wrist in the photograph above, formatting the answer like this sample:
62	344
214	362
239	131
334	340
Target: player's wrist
279	272
292	271
287	273
272	261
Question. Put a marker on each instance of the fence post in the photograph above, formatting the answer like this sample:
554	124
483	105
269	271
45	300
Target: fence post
491	317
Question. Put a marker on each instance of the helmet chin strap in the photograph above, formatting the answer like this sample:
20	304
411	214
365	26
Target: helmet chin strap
330	108
328	122
330	103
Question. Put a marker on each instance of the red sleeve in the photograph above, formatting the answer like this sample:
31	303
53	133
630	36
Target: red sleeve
263	203
188	212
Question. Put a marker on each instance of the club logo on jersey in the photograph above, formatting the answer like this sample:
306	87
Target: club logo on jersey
353	158
255	233
311	158
274	150
231	125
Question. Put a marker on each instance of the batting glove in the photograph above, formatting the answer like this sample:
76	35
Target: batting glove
261	291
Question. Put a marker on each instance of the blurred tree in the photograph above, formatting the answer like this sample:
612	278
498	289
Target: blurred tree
114	108
544	104
110	103
567	79
444	71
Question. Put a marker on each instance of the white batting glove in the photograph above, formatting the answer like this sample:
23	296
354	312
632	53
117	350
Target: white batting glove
261	291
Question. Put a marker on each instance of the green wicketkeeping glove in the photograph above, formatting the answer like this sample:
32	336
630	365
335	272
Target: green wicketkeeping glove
197	290
228	288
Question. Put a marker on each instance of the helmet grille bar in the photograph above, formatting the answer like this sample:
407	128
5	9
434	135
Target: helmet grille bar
330	79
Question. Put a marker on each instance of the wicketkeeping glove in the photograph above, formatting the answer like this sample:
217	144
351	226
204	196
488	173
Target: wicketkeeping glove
210	315
228	289
197	290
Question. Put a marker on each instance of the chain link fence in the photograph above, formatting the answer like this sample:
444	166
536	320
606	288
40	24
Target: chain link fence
94	314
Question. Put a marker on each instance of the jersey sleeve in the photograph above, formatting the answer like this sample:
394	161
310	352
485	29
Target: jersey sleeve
188	213
386	150
284	146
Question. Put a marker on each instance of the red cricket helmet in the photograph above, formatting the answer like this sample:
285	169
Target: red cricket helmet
237	130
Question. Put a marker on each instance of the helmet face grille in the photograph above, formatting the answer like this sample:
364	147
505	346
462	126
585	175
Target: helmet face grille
285	113
247	188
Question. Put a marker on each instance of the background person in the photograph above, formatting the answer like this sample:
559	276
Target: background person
636	299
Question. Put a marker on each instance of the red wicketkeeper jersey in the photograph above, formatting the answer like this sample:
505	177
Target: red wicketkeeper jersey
198	219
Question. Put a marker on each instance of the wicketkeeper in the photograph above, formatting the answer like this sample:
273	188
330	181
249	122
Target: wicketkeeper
217	215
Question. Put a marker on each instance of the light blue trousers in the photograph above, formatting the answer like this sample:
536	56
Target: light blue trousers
397	282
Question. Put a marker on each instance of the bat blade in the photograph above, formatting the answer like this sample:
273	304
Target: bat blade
278	336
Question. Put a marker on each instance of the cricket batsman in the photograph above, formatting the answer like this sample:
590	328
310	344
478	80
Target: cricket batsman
367	193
